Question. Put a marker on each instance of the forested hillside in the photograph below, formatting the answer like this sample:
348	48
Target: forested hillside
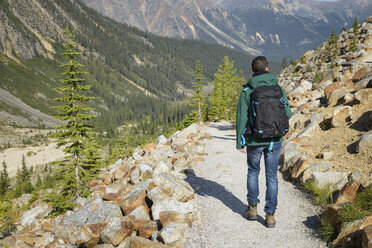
135	75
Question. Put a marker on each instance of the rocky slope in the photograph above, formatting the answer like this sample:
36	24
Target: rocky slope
330	90
276	28
142	201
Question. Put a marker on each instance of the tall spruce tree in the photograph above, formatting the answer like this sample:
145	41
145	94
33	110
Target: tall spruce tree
4	180
353	45
74	171
198	96
227	87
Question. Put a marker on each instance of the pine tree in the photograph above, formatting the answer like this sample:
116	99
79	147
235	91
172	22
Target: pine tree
353	45
333	38
355	27
227	87
73	171
121	148
4	180
198	95
284	63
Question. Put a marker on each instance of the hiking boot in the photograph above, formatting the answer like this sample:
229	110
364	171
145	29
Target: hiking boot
251	212
270	220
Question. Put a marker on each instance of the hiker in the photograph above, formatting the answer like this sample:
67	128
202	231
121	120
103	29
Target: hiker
256	135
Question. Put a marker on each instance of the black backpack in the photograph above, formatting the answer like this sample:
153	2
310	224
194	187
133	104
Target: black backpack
269	117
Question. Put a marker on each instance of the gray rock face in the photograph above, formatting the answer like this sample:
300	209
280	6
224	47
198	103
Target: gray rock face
336	95
171	205
312	127
302	88
117	230
31	215
140	213
161	167
317	167
365	142
161	140
173	232
322	179
341	115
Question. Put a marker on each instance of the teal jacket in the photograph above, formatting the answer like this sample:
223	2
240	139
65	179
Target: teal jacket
244	111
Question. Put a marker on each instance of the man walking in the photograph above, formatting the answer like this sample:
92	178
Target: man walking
256	143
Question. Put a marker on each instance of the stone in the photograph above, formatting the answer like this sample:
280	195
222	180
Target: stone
173	232
161	140
335	96
296	121
169	186
341	115
135	198
30	216
360	74
117	230
105	246
103	212
317	167
365	142
330	88
160	167
367	237
331	178
348	192
149	147
89	235
146	172
147	229
312	127
363	96
299	166
139	242
171	216
289	159
331	215
140	213
68	234
122	173
302	88
351	233
171	205
348	97
199	149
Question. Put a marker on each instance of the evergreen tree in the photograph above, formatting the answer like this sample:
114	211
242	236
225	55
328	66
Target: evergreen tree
333	38
74	172
284	63
227	87
353	44
4	180
355	27
23	180
198	95
121	149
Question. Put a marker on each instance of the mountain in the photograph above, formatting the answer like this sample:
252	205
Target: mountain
135	75
275	28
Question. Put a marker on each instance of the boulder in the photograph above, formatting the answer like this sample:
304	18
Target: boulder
30	216
68	234
365	142
169	186
147	229
335	96
341	115
149	147
139	242
302	88
161	140
299	166
89	235
171	216
360	74
351	234
290	156
171	205
173	232
331	178
117	230
348	192
312	127
330	88
140	213
367	237
161	167
103	212
363	96
135	198
135	175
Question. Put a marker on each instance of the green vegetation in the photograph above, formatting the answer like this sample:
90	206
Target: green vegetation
320	196
333	38
327	230
198	96
353	46
4	180
284	63
318	77
359	208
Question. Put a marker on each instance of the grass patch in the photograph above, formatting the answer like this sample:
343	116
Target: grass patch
359	208
327	231
319	196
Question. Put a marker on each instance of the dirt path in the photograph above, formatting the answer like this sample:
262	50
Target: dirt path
220	187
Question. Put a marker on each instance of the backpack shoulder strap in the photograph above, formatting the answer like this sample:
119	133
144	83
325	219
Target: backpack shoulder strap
249	87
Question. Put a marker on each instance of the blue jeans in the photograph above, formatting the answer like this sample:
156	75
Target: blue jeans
254	154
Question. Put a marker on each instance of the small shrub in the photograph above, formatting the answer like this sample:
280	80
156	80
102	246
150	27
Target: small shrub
318	77
320	196
359	208
327	231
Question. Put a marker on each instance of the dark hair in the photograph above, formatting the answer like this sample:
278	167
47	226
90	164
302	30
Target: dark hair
259	64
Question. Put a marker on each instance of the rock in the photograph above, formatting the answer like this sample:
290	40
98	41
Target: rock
135	198
146	172
296	121
149	147
140	213
68	234
147	229
104	246
299	166
180	163
331	215
161	167
348	97
290	156
317	167
360	74
173	232
117	230
89	235
139	242
367	237
335	96
103	212
161	140
330	88
351	233
312	127
365	142
341	115
331	178
135	176
30	216
171	216
171	205
199	149
348	192
302	88
363	96
169	186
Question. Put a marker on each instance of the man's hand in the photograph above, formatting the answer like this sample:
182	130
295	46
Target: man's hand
242	150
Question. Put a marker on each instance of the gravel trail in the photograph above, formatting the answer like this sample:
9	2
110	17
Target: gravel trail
220	192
